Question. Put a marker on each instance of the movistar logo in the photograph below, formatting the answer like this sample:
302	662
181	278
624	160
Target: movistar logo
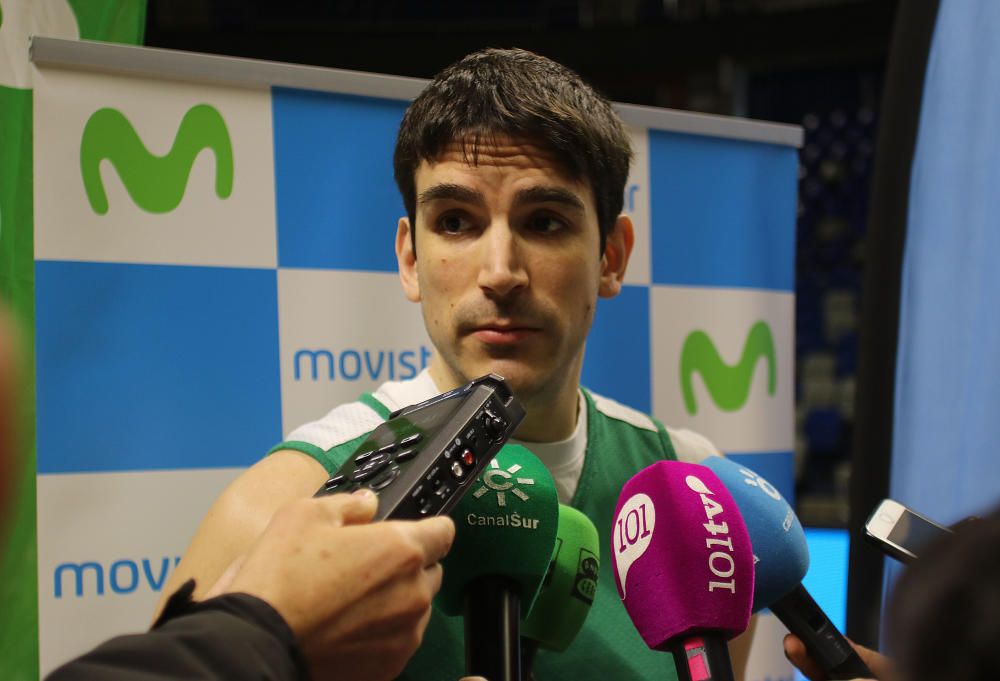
155	183
499	481
729	386
92	578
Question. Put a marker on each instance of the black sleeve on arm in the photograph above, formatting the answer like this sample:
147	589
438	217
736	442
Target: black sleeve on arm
232	637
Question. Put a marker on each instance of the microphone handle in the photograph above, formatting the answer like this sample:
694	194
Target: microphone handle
529	648
493	629
802	616
703	657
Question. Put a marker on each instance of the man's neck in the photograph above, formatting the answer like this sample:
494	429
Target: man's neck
548	419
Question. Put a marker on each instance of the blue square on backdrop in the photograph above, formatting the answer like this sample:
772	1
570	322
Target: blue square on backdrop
826	580
617	362
336	201
155	367
722	212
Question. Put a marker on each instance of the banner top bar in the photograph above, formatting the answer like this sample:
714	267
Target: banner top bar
151	62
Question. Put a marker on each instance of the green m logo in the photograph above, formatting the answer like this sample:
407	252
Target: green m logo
155	183
729	386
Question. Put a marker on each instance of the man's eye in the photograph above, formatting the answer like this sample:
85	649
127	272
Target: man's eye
454	224
545	224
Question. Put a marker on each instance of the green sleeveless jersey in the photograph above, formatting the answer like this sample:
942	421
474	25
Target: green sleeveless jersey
608	646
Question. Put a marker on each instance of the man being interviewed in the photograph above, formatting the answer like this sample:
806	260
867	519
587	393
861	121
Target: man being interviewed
512	172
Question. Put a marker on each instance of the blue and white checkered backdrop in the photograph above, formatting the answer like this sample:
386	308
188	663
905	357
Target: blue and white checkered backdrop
215	266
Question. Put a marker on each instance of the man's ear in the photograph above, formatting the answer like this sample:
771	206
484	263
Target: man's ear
407	260
617	250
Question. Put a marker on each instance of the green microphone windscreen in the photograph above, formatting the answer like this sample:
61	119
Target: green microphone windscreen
569	586
505	525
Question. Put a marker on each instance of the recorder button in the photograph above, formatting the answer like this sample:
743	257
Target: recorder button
364	456
407	454
384	479
494	426
333	483
374	465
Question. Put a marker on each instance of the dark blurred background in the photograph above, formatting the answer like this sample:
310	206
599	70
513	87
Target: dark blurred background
816	63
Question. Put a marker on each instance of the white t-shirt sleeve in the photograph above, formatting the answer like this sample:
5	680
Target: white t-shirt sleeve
691	447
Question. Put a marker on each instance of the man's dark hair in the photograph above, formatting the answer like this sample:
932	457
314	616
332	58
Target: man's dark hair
943	615
494	94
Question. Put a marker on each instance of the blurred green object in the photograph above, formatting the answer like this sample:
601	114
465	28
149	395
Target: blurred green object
570	584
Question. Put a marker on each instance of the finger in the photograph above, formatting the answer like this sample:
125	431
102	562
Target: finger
433	575
433	535
401	602
795	651
423	622
349	509
878	663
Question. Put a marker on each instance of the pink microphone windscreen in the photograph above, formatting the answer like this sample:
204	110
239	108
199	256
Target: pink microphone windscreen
681	554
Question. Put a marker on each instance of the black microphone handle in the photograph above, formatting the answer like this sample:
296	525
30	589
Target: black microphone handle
529	648
702	657
802	616
493	629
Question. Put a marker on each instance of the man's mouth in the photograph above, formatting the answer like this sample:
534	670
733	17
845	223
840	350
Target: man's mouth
503	334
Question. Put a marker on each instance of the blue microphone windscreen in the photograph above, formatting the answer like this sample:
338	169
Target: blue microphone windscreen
779	545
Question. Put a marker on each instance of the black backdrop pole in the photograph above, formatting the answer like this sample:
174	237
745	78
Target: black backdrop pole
879	331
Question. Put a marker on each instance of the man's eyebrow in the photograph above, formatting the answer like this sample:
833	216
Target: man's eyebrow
549	195
450	192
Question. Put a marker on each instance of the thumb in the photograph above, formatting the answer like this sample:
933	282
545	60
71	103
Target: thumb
350	509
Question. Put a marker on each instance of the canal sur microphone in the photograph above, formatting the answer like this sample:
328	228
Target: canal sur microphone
782	558
568	589
683	565
505	530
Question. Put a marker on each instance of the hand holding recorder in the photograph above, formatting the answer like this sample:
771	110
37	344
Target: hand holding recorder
356	594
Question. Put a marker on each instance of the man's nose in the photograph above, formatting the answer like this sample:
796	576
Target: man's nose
502	271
